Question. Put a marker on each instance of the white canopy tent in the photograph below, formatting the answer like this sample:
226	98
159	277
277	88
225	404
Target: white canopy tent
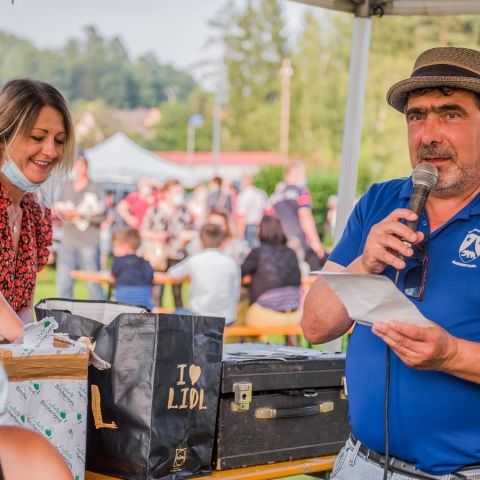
120	160
363	11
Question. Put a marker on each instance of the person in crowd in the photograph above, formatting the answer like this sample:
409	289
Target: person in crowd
215	277
251	205
275	279
218	199
82	207
167	228
133	207
330	217
133	274
292	204
197	205
235	247
36	139
106	230
434	370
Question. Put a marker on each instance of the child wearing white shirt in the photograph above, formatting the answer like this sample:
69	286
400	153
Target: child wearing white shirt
215	277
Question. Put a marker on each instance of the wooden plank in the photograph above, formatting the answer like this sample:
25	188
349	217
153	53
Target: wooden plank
246	331
104	277
259	472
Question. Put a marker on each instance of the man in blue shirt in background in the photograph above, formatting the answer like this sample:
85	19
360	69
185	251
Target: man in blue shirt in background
434	419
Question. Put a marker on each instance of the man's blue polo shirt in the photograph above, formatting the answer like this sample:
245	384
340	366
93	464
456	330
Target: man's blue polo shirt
434	417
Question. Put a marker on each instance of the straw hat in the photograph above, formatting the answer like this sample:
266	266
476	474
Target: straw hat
439	67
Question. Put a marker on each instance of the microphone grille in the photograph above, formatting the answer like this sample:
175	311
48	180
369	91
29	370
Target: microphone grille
425	174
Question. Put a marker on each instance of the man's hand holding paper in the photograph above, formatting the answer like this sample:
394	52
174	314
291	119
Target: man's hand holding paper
431	348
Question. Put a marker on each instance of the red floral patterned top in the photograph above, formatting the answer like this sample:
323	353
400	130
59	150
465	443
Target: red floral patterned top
18	275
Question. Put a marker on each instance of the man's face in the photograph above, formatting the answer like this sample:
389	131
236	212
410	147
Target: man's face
445	131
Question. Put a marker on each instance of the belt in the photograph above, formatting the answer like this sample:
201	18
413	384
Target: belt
400	466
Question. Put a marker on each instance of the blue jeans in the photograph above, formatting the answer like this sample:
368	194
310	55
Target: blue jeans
80	258
352	465
251	235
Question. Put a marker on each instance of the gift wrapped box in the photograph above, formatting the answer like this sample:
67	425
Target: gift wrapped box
48	390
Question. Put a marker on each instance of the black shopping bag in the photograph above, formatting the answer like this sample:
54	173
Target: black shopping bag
82	318
152	414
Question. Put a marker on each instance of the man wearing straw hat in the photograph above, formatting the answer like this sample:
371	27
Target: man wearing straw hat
433	429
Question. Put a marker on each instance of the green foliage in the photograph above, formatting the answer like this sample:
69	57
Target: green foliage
254	46
95	68
321	185
170	133
268	177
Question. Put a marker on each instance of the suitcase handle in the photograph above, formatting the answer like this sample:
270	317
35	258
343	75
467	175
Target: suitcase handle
266	413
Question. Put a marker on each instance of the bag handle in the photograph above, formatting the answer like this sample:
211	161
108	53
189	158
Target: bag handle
267	413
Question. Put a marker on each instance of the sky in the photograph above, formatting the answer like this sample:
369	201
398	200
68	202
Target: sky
177	31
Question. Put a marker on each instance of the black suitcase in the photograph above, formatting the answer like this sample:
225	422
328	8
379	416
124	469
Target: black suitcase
279	403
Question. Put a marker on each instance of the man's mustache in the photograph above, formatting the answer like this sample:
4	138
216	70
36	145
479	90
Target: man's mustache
433	151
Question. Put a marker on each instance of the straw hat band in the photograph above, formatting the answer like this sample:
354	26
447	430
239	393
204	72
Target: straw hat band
444	70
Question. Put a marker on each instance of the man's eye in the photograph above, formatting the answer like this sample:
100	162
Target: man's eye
414	117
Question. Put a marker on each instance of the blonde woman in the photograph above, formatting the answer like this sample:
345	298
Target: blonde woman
36	139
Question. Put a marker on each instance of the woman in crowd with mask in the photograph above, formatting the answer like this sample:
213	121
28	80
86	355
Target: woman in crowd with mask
36	139
165	231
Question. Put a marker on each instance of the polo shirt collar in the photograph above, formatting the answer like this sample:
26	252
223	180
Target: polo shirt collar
472	209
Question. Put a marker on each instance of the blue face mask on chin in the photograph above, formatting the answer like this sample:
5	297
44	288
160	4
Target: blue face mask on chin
17	178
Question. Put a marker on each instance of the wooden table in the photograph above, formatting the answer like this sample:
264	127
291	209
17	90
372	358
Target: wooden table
247	331
259	472
106	278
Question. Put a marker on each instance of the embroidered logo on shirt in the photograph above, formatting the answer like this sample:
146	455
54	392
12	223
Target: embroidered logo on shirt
469	250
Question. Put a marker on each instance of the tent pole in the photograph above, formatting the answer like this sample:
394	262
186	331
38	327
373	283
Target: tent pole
217	128
352	132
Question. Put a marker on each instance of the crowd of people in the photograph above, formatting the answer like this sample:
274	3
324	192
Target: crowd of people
216	235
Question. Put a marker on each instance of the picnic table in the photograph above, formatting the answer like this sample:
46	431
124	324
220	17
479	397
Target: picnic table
106	278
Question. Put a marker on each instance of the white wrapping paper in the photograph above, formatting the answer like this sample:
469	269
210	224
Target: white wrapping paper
55	407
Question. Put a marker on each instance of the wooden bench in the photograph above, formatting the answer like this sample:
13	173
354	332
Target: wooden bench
247	331
259	472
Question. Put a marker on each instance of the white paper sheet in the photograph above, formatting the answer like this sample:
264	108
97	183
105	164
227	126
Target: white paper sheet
371	298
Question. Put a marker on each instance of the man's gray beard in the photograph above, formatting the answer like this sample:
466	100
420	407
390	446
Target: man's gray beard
464	180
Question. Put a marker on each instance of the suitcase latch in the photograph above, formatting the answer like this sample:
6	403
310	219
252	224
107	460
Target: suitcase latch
344	391
242	396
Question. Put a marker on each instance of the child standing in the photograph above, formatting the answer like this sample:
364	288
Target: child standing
133	275
215	277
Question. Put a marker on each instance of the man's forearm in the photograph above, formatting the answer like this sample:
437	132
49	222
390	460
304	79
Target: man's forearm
324	315
466	362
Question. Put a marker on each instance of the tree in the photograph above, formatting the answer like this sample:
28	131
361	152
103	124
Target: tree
254	46
95	68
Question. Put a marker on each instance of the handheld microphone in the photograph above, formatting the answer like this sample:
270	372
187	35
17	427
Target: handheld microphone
425	177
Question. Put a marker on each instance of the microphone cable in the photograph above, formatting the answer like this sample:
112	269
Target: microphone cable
387	409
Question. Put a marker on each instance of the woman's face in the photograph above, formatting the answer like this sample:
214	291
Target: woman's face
37	152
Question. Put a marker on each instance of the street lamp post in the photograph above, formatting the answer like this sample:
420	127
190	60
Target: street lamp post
286	73
194	121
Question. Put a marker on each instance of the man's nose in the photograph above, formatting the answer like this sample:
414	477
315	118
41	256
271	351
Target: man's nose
431	132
